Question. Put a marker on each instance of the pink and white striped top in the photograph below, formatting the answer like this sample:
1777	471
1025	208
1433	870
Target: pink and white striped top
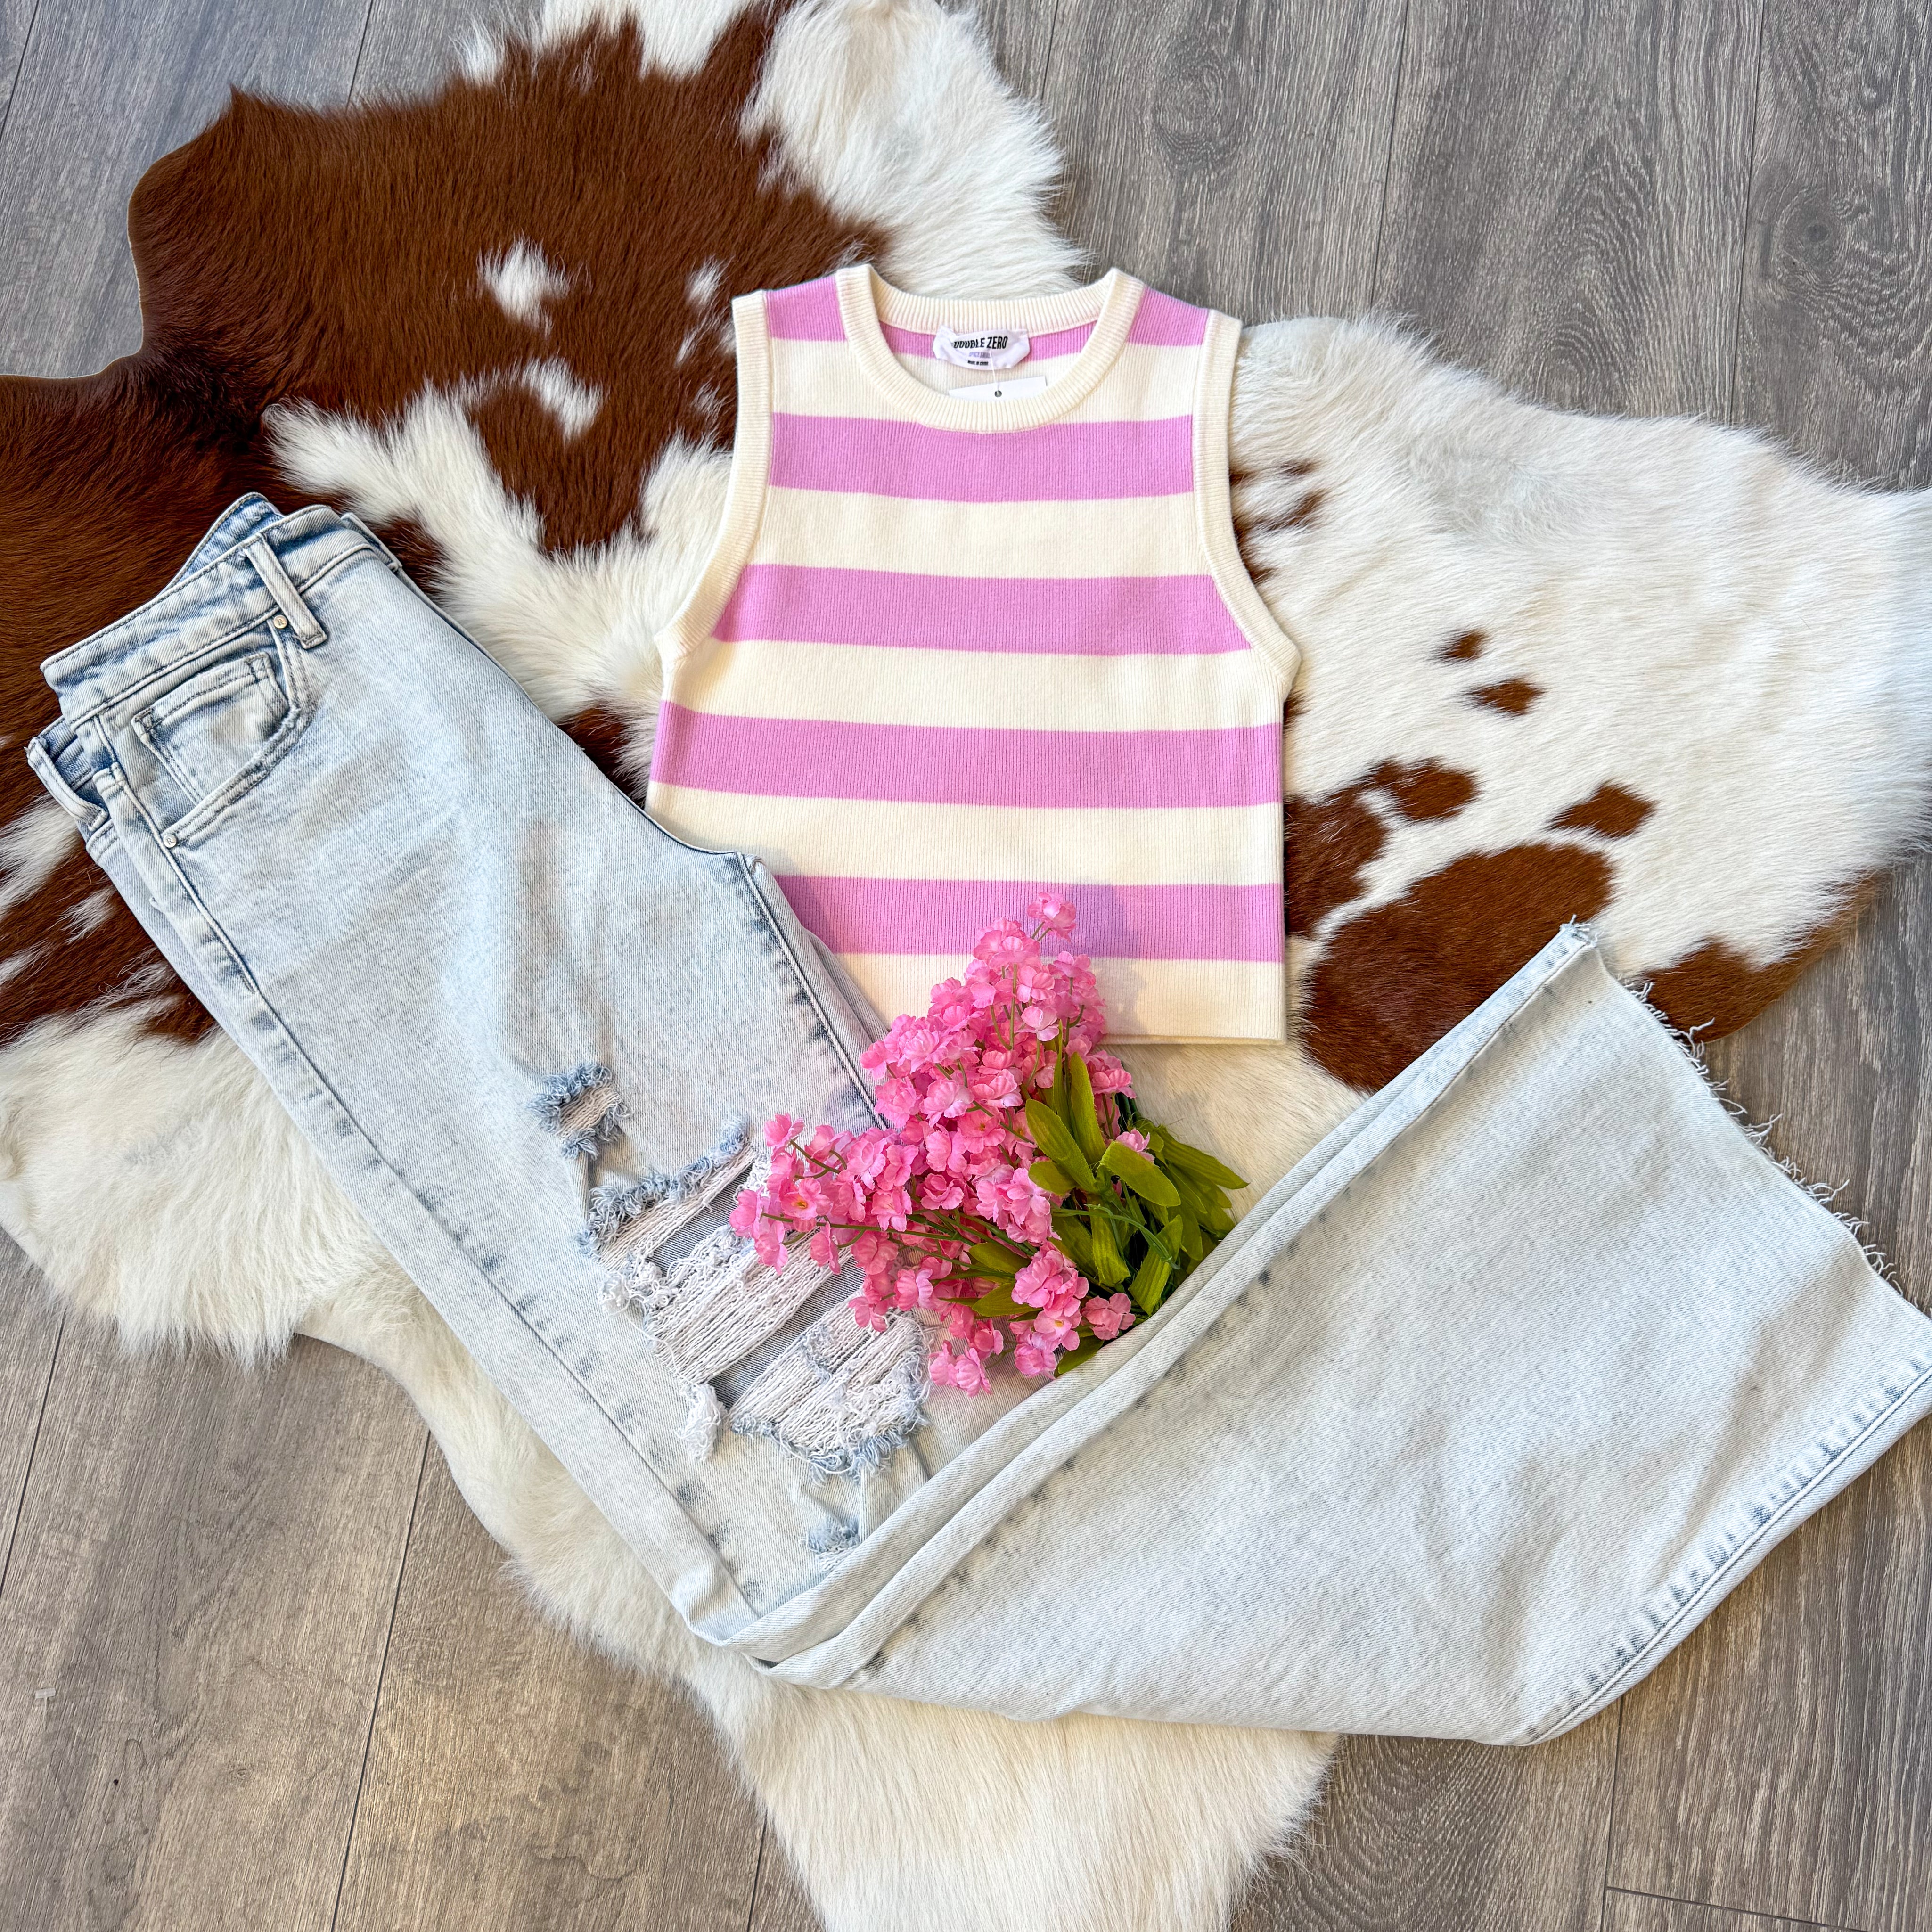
952	649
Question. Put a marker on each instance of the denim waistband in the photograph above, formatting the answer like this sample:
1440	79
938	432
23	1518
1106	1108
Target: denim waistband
252	568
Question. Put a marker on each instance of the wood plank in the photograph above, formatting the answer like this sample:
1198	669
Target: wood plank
780	1903
1410	1834
1635	1912
1020	33
30	1331
516	1778
106	87
1780	1762
1567	194
191	1635
16	22
1835	341
410	49
1565	208
1233	154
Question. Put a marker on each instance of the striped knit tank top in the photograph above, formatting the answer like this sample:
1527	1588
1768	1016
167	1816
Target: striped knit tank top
953	648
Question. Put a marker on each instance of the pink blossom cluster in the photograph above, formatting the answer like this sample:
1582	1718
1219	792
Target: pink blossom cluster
908	1201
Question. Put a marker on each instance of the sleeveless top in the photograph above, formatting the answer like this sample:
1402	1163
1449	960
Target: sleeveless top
967	635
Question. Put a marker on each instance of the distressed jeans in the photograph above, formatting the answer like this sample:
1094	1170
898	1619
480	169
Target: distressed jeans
1479	1410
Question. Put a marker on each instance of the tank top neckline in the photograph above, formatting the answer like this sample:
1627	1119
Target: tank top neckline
867	302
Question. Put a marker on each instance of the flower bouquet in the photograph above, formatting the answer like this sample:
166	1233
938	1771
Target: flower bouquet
1016	1195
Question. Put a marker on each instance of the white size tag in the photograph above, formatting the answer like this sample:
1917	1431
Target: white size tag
1008	386
984	349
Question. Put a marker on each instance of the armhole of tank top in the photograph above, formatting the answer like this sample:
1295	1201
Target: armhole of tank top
744	490
1214	505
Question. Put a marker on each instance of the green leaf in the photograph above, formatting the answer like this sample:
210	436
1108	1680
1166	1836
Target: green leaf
1045	1174
1206	1202
1109	1269
1090	1346
1051	1136
1191	1245
999	1305
1135	1170
1168	1245
1061	1089
989	1258
1199	1166
1150	1284
1081	1114
1069	1230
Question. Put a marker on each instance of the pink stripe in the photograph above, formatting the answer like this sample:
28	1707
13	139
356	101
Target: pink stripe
1073	617
1060	342
1085	462
809	312
944	764
946	915
1162	322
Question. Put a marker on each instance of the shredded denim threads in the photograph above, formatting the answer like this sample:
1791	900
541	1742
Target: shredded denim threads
702	1424
713	1306
639	1216
717	1303
581	1108
841	1397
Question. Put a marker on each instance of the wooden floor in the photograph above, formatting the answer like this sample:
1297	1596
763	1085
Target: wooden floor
266	1670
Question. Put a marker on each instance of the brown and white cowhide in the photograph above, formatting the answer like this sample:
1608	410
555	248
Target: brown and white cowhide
1653	674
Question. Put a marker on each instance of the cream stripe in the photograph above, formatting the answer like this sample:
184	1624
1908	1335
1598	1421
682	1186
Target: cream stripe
1137	536
1182	845
1214	495
823	379
923	369
866	684
1170	1000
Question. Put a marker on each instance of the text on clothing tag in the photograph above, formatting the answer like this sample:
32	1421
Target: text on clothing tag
984	349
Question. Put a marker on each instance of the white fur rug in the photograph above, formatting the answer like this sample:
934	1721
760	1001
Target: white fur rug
1657	667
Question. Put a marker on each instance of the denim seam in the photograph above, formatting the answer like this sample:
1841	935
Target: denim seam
1602	1689
804	983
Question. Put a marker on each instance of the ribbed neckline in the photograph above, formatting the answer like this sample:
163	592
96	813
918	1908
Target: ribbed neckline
866	301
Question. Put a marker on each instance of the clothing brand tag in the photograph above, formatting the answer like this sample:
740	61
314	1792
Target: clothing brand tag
984	348
1006	388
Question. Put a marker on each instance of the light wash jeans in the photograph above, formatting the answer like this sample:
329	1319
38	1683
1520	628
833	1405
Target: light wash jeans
1479	1410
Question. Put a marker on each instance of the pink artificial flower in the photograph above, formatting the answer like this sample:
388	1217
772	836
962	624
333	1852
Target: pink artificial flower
965	1372
1033	1357
1059	1324
1133	1138
1005	943
1044	1279
941	1193
1108	1315
898	1098
1056	913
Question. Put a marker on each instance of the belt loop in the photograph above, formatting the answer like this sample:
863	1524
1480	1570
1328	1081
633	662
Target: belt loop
288	598
382	549
84	812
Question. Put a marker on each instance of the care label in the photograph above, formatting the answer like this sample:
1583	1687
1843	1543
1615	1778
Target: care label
1006	388
984	349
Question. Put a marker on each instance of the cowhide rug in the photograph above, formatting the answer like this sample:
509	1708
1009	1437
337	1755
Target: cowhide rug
1653	674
